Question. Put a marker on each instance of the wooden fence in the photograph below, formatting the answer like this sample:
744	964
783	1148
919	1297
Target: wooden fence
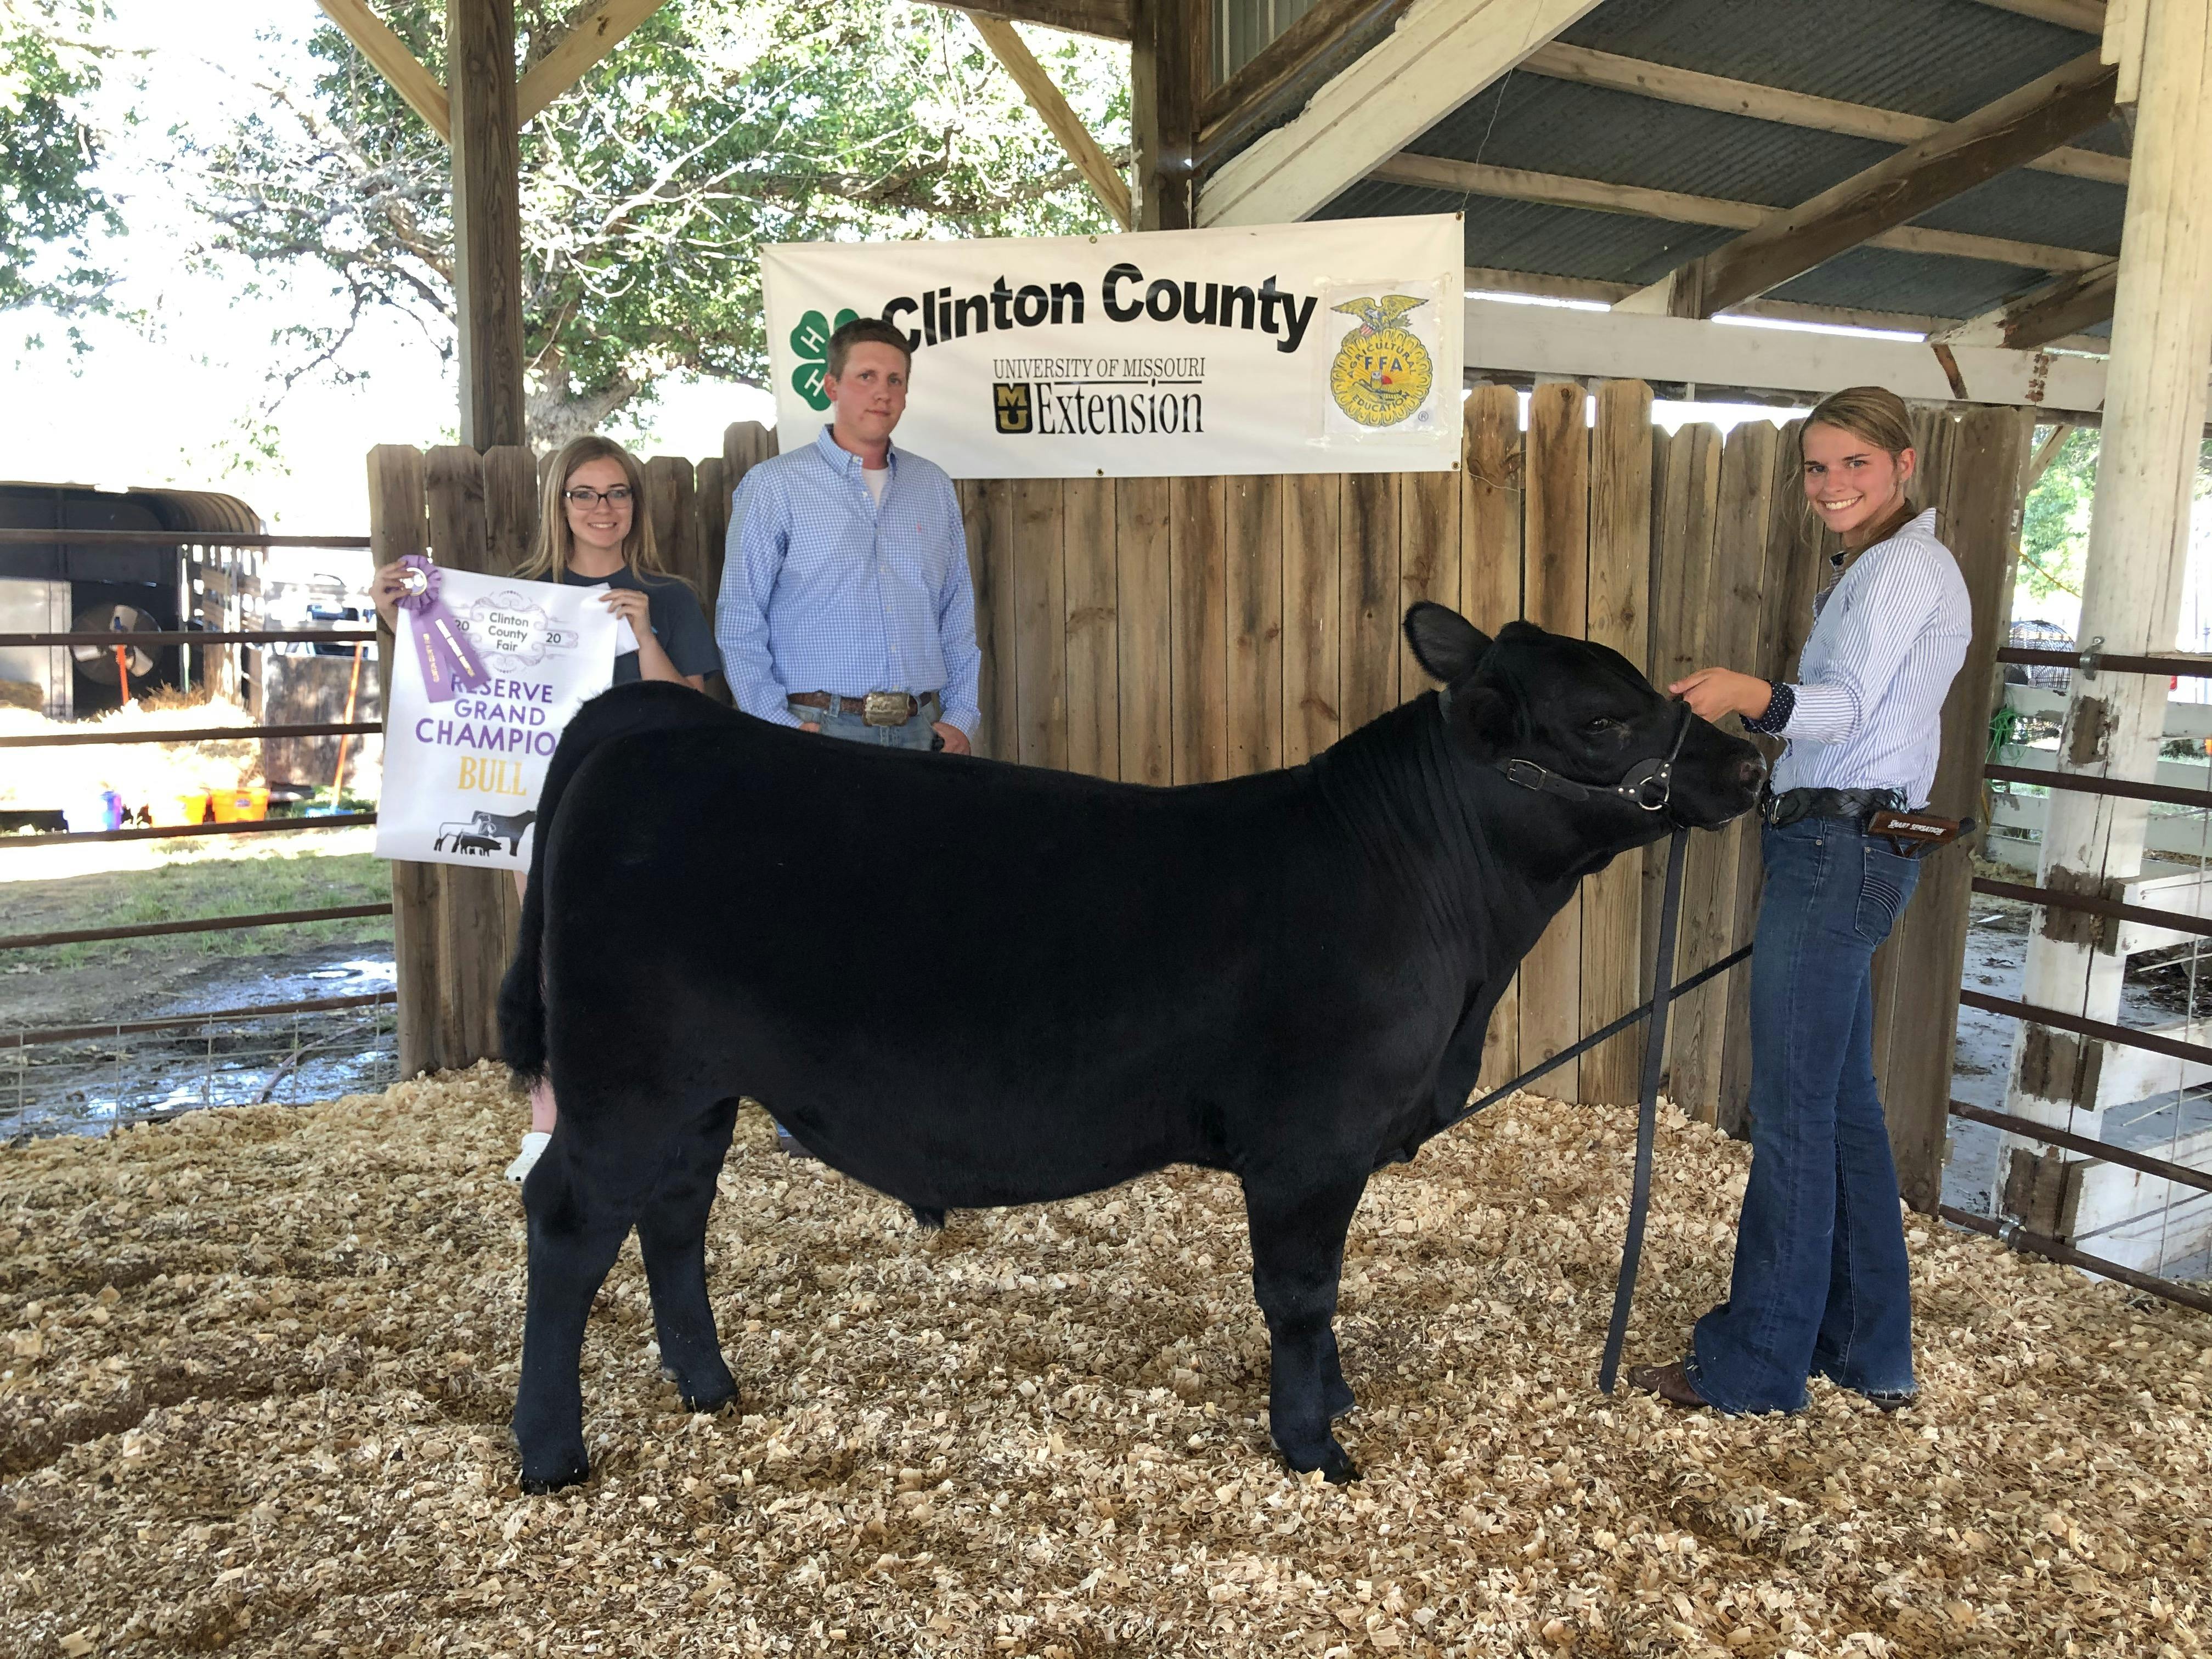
1178	630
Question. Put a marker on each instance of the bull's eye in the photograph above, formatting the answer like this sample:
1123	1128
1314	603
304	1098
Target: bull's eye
1601	727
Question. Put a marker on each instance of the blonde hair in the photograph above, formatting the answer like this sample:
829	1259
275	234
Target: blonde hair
1878	415
551	549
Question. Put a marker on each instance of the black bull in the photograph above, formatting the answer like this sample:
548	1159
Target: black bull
968	984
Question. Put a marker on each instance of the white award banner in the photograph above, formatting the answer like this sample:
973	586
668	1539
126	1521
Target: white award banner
1326	347
462	771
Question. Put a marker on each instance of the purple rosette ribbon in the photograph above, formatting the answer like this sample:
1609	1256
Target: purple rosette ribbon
449	661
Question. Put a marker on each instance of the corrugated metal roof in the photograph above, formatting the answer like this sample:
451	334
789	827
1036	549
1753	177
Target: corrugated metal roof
1937	59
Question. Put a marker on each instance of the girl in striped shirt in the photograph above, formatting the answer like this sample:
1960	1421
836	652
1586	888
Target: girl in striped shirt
1819	1286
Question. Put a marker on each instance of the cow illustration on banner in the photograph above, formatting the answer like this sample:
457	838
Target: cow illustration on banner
1333	346
488	673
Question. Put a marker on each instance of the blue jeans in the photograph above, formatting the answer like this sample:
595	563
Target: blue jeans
1820	1284
916	733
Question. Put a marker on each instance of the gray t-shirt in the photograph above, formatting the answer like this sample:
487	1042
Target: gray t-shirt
678	622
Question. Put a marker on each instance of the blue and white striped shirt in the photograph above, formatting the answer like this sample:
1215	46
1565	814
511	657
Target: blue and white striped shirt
823	590
1887	643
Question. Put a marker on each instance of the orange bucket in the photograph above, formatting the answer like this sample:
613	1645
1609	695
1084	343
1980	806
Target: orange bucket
180	810
242	805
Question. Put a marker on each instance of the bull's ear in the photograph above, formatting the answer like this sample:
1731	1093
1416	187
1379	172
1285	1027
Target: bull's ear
1445	642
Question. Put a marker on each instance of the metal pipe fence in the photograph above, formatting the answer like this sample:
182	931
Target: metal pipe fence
76	1078
2177	1175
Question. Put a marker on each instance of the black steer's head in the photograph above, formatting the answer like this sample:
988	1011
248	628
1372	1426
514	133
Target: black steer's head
1574	721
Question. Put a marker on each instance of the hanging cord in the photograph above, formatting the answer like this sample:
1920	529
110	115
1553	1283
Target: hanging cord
1647	1113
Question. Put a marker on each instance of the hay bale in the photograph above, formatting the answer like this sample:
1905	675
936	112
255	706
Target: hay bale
257	1364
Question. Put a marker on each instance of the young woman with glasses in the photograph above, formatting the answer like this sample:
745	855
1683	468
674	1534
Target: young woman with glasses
593	531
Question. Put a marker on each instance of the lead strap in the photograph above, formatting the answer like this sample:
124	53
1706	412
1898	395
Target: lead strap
1647	1114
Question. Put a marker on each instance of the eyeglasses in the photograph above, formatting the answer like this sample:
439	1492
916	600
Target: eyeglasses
618	496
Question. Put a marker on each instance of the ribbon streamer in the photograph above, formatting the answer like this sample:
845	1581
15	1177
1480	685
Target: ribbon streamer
449	661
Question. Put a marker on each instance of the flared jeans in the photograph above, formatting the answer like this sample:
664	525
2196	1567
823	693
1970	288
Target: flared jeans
1820	1286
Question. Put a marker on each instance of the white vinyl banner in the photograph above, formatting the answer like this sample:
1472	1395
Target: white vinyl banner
487	671
1326	347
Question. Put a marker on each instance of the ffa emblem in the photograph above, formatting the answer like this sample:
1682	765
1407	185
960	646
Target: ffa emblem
1382	374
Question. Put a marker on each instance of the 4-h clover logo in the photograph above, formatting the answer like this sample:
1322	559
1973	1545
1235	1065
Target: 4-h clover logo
811	340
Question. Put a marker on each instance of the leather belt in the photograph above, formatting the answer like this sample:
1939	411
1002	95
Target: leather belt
877	708
1857	805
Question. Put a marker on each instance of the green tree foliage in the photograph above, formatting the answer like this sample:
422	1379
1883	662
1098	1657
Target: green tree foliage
647	191
51	67
2054	532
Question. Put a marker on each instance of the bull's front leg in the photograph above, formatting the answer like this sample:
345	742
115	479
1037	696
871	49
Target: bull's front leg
571	1248
1297	1255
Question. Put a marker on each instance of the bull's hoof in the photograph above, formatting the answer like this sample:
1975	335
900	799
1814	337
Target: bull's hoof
711	1398
567	1468
1334	1463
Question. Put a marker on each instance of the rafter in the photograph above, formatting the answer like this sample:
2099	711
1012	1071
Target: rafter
388	55
1104	178
1108	19
1318	45
2030	121
1441	53
1668	84
2087	15
590	38
2075	301
1519	184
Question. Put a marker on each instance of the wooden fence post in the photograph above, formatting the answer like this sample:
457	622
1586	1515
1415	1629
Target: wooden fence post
1092	628
1037	687
1144	587
1619	617
1198	629
1556	567
397	515
1313	628
1490	576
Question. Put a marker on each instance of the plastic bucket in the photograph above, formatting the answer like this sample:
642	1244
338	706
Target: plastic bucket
244	806
176	810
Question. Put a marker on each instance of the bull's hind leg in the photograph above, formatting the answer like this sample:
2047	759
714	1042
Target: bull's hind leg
571	1247
1297	1256
671	1234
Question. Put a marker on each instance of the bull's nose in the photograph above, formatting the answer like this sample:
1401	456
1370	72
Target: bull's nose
1750	772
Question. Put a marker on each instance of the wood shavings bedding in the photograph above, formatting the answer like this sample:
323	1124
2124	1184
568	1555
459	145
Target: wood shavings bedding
258	1362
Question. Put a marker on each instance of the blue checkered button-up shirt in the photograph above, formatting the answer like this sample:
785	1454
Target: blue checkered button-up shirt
824	591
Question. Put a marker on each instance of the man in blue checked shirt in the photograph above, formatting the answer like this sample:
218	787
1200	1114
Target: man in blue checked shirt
847	607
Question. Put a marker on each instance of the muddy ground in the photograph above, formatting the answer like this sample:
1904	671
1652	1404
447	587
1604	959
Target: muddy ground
258	1365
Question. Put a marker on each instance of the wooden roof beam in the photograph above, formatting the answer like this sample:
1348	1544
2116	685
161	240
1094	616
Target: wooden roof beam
1108	19
2028	122
589	40
2085	16
1318	46
388	55
2077	301
1440	54
1519	184
1668	84
1099	172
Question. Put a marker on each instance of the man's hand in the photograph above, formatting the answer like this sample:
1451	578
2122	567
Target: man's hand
956	740
809	726
1713	692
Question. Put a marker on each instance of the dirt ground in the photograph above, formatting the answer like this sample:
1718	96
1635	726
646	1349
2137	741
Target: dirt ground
257	1364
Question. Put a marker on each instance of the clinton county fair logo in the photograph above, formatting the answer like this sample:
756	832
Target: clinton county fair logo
811	340
1382	374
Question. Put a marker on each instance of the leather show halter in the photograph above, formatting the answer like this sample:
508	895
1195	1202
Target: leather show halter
1648	783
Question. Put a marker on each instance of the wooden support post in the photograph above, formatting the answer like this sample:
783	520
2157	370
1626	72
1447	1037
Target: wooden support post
387	53
487	220
1168	54
2153	415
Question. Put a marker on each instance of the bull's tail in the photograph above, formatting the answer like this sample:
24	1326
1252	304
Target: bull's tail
650	705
